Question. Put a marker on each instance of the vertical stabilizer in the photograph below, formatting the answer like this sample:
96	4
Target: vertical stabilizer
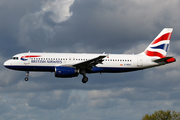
159	46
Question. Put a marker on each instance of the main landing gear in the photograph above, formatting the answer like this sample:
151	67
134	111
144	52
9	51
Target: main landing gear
27	74
84	79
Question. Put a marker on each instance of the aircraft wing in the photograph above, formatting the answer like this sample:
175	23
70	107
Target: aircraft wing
90	63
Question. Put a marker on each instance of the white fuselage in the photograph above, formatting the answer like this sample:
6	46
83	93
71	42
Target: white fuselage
48	62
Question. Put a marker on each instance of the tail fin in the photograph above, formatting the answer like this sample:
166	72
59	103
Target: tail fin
159	46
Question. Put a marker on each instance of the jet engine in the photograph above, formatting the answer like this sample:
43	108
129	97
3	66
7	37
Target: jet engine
63	71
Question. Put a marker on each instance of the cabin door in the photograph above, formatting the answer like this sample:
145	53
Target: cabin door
139	61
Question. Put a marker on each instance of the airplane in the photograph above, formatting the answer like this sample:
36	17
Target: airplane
66	65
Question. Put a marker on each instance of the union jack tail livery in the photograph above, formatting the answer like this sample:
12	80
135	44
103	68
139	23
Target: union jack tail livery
159	46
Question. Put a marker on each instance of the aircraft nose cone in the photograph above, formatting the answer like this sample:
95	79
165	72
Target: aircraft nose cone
6	64
9	64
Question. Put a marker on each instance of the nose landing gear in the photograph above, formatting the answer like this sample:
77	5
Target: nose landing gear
27	74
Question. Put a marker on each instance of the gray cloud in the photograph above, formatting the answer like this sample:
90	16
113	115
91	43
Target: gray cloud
88	22
114	26
52	100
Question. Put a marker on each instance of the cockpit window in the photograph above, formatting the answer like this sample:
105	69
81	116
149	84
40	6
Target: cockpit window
15	58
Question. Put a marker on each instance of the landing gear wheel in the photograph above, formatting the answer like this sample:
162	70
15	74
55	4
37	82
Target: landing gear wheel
26	79
85	79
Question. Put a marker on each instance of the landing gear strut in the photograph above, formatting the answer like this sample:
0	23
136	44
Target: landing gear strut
84	79
27	74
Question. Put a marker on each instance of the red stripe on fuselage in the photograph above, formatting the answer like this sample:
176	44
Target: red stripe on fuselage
27	56
166	36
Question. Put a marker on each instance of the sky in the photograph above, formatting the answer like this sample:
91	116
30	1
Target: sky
87	26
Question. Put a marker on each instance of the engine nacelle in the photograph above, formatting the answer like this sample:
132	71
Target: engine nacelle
62	71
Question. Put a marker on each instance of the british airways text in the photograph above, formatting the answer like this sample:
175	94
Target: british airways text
46	61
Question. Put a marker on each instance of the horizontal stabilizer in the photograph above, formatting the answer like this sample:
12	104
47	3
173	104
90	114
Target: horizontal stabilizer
165	60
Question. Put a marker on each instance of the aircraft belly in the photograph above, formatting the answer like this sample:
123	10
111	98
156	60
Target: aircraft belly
32	68
112	69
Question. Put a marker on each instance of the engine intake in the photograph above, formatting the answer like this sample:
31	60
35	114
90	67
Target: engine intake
62	71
